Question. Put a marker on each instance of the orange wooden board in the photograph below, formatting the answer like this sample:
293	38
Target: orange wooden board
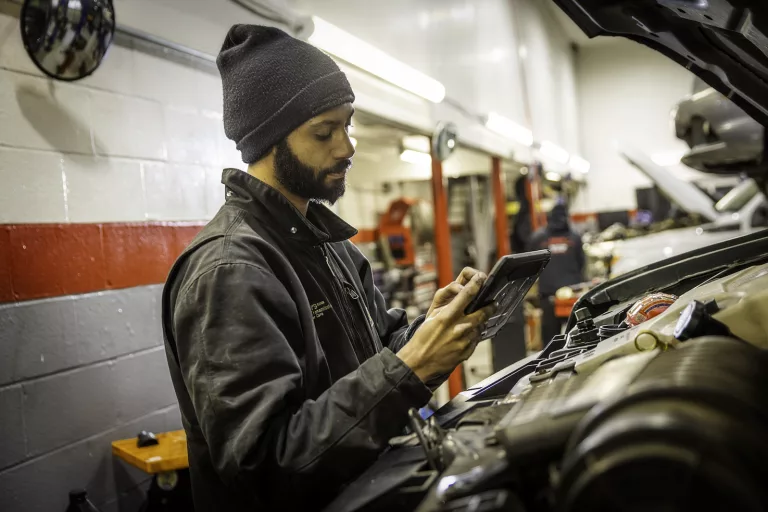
168	455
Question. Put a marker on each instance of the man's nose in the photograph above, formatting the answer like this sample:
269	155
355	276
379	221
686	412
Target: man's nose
345	149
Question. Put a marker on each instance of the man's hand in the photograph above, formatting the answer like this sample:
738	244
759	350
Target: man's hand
448	336
446	295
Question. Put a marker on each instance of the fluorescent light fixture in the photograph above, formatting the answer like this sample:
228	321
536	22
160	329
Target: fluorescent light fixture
415	157
357	52
553	176
418	143
508	128
578	164
353	141
555	152
667	158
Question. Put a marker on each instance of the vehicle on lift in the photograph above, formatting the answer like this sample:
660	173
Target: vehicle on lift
722	138
667	414
720	135
741	211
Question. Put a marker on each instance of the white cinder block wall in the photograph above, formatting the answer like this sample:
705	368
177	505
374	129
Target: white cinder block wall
139	140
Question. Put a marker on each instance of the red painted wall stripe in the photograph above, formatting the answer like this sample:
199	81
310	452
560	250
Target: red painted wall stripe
49	260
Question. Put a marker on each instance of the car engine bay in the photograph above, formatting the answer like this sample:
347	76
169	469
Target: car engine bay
669	414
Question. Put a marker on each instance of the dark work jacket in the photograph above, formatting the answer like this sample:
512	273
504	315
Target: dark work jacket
566	266
282	354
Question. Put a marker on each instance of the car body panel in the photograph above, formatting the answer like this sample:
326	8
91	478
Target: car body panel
724	42
639	252
683	193
732	216
720	134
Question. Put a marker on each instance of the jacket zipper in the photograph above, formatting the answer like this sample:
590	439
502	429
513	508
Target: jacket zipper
367	319
357	338
367	316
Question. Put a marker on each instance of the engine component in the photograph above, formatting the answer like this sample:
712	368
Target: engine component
491	501
651	340
696	320
584	319
634	420
686	435
608	331
586	332
648	307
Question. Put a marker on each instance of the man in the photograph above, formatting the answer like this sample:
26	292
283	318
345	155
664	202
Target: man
290	372
521	232
566	267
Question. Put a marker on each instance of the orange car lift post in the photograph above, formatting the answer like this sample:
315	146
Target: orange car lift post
443	253
500	206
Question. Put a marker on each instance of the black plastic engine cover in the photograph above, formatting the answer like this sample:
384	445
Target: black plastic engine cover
689	434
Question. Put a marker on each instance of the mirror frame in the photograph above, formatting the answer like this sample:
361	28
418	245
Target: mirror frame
27	46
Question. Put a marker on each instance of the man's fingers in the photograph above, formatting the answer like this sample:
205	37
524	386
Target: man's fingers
467	274
481	316
456	308
444	295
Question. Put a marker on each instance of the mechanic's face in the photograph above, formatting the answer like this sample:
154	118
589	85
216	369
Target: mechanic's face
312	162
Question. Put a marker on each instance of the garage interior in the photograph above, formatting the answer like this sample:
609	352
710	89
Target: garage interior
474	123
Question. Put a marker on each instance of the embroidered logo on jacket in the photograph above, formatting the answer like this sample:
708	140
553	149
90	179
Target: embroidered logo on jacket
319	309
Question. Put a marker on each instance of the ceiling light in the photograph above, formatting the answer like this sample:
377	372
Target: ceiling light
357	52
578	164
353	141
555	152
497	55
415	157
509	129
418	143
553	176
667	158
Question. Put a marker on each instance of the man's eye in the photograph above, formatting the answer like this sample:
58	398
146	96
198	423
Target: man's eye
323	136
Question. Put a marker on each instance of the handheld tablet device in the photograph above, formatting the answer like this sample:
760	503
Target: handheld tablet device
507	284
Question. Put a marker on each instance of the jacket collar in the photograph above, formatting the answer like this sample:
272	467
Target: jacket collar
319	226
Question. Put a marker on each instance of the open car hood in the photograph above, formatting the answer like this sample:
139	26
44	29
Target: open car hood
724	42
683	193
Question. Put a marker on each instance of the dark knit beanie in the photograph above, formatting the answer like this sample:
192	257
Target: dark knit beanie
273	83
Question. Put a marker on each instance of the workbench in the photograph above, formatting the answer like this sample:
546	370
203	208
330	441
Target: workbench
168	463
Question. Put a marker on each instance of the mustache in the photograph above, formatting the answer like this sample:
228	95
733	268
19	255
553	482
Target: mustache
341	166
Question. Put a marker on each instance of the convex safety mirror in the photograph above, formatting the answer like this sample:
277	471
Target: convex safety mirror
67	39
444	140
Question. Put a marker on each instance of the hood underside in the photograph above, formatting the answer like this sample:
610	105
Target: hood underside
724	42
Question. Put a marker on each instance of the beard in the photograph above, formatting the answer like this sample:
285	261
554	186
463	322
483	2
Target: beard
304	181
